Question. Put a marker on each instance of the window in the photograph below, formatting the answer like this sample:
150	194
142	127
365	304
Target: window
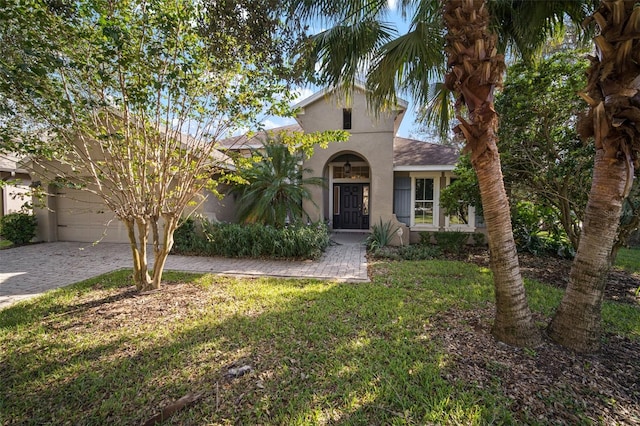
357	172
346	118
336	200
423	208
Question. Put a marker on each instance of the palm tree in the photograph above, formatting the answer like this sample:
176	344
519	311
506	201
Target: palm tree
275	187
613	94
361	39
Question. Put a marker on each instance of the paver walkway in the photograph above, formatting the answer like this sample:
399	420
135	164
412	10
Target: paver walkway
31	270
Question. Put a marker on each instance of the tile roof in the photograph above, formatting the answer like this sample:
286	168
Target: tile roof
411	152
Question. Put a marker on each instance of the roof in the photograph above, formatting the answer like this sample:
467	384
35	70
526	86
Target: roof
411	154
401	103
256	140
11	164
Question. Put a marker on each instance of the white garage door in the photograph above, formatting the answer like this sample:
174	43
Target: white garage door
82	216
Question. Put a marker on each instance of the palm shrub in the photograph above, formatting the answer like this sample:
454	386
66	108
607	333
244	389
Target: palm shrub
19	228
274	185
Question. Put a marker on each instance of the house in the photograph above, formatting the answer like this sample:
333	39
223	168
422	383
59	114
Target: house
14	190
374	177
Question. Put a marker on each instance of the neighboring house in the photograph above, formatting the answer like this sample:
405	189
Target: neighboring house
71	214
375	176
14	191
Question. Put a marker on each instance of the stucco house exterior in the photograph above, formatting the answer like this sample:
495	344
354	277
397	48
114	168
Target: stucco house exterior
15	188
373	177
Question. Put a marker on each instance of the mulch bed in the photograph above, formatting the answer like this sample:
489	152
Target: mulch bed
547	384
621	286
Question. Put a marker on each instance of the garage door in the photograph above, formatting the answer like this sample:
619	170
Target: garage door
82	216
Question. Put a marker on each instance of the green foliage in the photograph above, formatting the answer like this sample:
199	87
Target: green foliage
19	228
536	230
381	235
273	183
479	239
408	252
448	241
542	155
132	96
185	238
252	240
464	190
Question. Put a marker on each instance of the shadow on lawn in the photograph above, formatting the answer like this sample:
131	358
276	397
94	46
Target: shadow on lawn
320	353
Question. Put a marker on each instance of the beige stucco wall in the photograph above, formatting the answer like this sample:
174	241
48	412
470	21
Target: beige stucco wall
371	138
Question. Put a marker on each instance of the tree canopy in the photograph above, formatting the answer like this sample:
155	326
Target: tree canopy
127	100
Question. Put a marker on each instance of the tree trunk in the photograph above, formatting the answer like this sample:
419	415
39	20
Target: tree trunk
162	248
613	94
138	244
513	323
576	324
475	70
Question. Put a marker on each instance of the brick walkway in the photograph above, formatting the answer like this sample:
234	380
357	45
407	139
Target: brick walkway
28	271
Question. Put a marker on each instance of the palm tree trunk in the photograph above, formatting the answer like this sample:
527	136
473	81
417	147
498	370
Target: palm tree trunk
613	93
576	324
475	70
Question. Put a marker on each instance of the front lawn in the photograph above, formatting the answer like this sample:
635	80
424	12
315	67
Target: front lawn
412	347
628	259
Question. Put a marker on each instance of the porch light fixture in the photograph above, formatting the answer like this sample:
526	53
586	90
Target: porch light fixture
347	168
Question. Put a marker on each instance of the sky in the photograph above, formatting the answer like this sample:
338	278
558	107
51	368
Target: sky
408	123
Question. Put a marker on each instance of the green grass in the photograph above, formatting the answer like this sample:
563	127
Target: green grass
628	259
5	244
323	353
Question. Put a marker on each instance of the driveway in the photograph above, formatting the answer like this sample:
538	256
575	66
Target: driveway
28	271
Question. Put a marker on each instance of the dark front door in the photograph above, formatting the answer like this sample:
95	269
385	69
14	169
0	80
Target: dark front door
351	206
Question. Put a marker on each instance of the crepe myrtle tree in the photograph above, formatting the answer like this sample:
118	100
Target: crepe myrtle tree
114	90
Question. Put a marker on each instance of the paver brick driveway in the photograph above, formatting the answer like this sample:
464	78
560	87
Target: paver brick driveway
30	270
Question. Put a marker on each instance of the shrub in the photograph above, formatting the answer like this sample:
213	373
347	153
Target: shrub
410	252
380	236
479	239
449	242
184	237
255	240
19	228
419	252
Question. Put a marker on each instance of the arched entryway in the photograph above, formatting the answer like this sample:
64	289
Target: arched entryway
349	191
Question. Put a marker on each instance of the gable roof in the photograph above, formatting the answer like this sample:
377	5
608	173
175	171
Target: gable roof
415	155
256	140
401	103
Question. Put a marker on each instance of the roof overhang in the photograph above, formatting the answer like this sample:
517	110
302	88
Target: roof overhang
430	168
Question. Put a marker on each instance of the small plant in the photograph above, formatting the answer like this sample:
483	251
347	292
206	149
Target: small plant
381	235
19	228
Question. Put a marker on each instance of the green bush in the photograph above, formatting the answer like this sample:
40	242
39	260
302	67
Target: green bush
536	230
410	252
479	239
184	237
254	240
19	228
449	242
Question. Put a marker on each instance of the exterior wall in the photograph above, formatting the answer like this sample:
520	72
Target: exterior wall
13	197
371	139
